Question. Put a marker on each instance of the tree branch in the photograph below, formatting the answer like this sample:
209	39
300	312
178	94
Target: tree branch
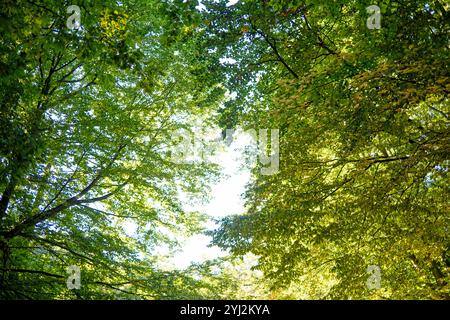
275	50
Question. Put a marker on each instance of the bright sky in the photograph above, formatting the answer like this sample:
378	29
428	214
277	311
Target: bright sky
225	200
225	196
230	3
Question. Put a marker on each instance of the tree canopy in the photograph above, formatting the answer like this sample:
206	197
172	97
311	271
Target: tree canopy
86	118
364	144
88	113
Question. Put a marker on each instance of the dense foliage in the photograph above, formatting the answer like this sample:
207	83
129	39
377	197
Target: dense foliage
364	144
88	114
